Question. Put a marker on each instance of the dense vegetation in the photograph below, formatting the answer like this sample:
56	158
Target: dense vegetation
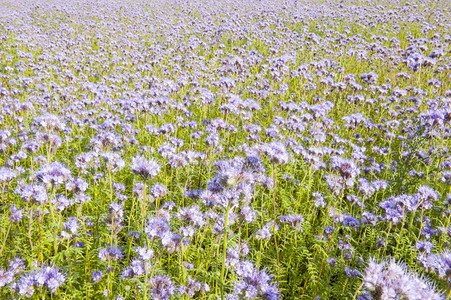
225	149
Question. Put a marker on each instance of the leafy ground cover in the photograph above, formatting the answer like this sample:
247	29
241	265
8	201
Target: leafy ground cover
225	149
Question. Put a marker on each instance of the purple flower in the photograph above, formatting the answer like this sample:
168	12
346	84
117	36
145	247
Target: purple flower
439	262
177	161
332	262
110	253
35	193
248	214
78	185
6	277
145	254
424	246
6	174
347	169
137	268
16	214
389	279
254	283
294	220
277	153
191	214
232	258
266	232
158	191
113	161
370	77
156	227
145	168
162	288
352	272
425	196
54	174
26	285
96	276
192	287
319	199
70	227
53	278
171	242
16	265
49	122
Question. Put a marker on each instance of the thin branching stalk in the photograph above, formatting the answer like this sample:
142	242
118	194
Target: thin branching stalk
224	247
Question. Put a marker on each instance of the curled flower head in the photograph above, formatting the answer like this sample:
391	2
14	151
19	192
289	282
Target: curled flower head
54	174
162	287
145	168
6	174
277	153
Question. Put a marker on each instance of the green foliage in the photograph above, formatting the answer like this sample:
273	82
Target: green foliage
304	255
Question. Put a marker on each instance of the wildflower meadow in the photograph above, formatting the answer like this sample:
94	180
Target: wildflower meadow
225	149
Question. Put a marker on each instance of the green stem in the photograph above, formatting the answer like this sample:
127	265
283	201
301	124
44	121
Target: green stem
274	218
224	249
55	231
144	208
6	237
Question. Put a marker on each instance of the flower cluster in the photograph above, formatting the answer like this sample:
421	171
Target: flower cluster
391	280
155	149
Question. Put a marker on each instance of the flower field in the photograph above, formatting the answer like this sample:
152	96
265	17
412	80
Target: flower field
230	149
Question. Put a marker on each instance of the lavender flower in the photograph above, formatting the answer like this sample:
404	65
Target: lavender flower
191	214
390	279
352	272
266	232
319	200
16	214
137	268
162	288
6	277
145	168
157	227
424	246
54	174
52	277
294	220
254	283
171	242
35	193
193	287
440	263
113	161
158	191
110	253
70	227
6	175
347	169
277	153
115	217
